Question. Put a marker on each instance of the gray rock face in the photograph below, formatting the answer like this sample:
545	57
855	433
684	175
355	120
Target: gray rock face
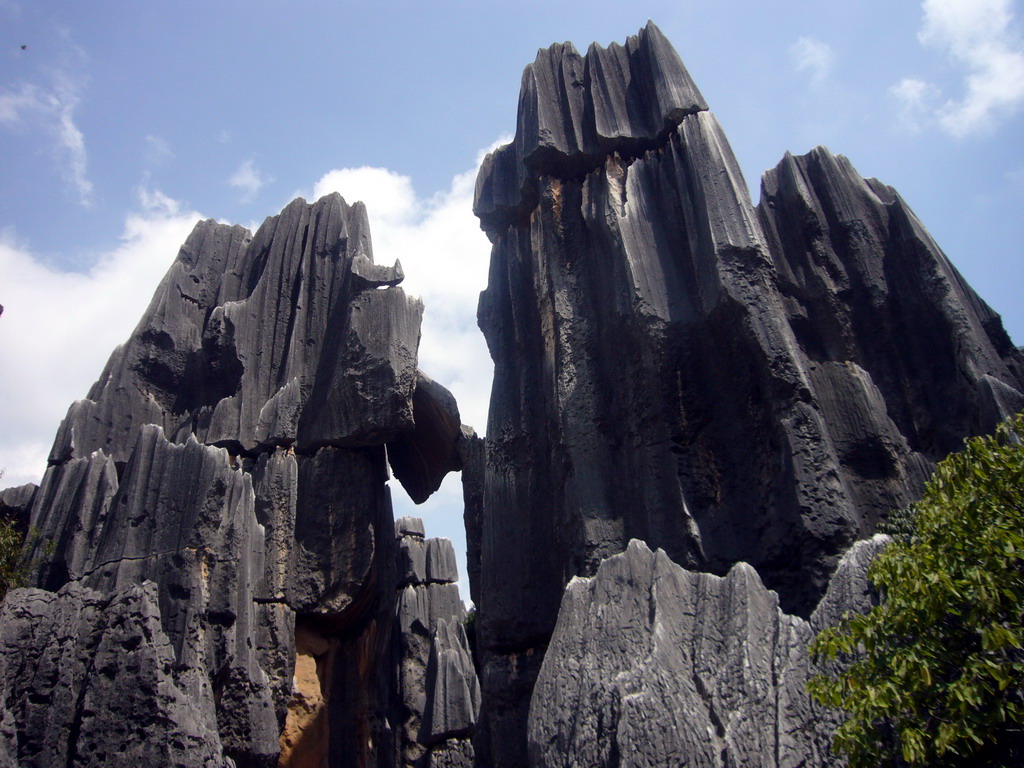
651	664
421	458
16	505
99	666
908	335
438	686
576	110
672	364
255	341
216	511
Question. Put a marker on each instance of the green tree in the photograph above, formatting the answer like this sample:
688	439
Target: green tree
934	675
12	572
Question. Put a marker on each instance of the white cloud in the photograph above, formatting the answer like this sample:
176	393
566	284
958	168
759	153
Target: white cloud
249	179
158	151
813	56
58	328
916	100
17	104
51	111
979	36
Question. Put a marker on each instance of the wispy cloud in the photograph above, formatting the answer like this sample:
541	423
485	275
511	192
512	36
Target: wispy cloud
250	180
814	57
980	37
48	360
50	110
158	151
916	100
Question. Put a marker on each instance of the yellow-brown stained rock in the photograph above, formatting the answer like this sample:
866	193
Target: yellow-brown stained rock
305	739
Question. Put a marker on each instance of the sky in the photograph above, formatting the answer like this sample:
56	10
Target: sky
122	123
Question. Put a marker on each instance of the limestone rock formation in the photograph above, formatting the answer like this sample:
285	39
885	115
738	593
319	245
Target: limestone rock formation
652	664
16	504
87	679
672	364
215	534
437	685
748	390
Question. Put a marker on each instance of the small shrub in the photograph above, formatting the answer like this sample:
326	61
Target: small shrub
13	573
934	675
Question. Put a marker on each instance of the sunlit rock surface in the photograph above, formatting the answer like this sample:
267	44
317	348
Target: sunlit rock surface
216	511
673	364
437	684
652	664
218	576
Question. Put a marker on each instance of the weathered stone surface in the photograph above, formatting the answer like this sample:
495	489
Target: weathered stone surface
574	110
428	604
100	666
454	753
254	340
453	691
305	739
727	383
672	364
182	520
231	463
412	560
441	565
437	683
652	664
409	526
422	457
472	454
16	504
884	318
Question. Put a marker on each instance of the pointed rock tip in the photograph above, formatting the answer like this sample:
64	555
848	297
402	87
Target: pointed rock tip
561	49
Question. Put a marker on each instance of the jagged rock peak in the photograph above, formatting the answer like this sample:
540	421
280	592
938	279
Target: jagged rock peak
437	683
574	111
727	383
672	666
248	338
254	341
218	508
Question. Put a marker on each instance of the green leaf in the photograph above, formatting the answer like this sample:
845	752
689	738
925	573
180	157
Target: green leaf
935	671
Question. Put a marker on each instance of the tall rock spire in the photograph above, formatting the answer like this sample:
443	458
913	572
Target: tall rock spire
675	365
218	573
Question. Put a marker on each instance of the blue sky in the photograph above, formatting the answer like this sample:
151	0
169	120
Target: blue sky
121	123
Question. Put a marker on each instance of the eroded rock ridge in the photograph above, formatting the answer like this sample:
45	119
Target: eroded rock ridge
653	664
216	542
698	406
673	364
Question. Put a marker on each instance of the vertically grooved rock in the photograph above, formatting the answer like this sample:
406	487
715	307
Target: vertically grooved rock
672	364
861	278
575	110
99	666
251	340
15	504
226	480
652	664
438	687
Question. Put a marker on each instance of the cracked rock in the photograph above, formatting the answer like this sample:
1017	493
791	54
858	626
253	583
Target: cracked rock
653	664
